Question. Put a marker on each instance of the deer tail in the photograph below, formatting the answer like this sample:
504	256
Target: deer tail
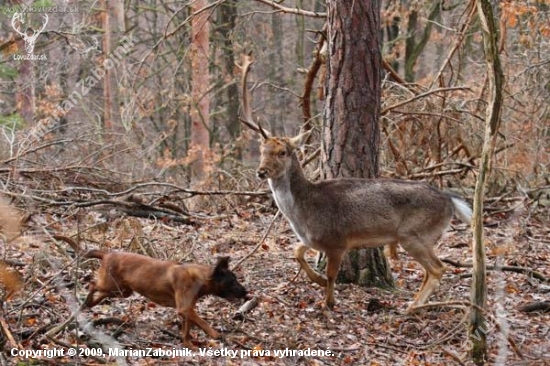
462	210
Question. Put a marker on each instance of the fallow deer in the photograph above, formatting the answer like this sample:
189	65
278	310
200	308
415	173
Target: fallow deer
333	216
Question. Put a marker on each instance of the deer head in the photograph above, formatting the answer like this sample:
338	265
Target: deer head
30	39
276	152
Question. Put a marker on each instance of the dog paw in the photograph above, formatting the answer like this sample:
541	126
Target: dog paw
214	334
189	345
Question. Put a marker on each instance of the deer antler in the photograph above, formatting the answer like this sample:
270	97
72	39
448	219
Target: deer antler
45	23
17	17
247	119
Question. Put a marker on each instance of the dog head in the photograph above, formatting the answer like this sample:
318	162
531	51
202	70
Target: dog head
224	283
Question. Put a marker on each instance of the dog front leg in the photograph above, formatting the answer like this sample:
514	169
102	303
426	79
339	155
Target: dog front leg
201	323
90	300
186	330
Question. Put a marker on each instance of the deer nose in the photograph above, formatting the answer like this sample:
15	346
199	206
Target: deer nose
261	173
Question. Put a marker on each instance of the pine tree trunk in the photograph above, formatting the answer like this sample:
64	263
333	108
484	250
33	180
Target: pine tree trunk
351	132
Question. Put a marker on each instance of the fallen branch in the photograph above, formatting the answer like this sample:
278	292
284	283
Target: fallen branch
245	308
515	269
59	327
542	306
7	333
130	208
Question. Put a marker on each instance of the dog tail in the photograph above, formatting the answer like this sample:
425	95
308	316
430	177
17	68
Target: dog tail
97	254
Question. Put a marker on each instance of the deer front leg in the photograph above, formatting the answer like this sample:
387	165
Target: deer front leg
333	266
299	253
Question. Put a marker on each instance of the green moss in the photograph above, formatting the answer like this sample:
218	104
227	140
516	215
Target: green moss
7	72
12	121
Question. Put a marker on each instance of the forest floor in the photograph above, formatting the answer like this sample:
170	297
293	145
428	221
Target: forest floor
367	327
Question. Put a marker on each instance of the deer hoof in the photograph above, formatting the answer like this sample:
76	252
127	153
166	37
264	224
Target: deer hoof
411	309
330	303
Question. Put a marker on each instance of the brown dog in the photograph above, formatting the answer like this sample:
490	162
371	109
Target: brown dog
166	283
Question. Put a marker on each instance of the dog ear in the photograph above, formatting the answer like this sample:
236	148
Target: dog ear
222	265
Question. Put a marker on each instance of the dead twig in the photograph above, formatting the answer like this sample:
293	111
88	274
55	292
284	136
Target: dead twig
452	355
7	333
459	304
297	274
260	243
420	96
59	327
296	11
515	269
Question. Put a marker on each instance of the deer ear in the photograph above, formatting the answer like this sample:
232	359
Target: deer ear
298	140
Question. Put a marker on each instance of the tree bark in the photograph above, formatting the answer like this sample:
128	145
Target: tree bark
414	48
478	294
200	79
351	132
107	102
227	16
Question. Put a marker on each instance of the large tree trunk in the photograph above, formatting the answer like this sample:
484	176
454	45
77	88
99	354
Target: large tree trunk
227	17
351	132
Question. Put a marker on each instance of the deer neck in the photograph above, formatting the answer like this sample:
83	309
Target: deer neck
288	188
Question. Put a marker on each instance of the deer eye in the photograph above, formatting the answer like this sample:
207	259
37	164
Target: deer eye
282	154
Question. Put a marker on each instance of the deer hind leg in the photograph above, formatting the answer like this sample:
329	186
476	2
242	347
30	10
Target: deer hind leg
333	266
422	251
299	253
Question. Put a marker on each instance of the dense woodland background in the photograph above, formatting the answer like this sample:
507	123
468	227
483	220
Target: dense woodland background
154	160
